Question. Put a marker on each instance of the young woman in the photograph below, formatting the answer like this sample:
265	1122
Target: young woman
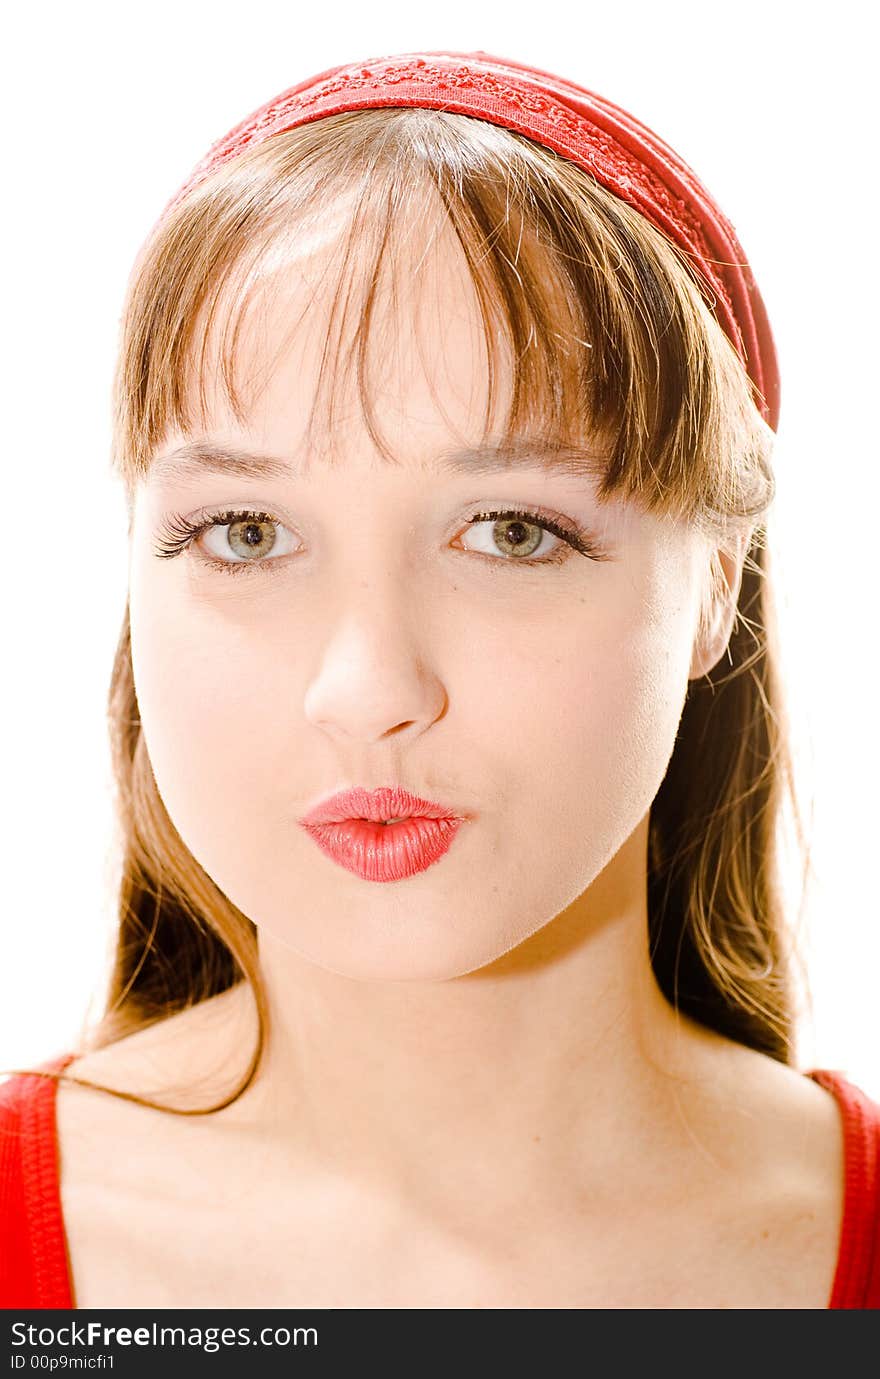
452	966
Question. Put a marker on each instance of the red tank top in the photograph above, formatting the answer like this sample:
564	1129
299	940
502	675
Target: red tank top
34	1264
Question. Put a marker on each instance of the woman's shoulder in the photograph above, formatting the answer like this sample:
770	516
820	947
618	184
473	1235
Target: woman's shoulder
190	1059
169	1055
809	1141
783	1122
762	1105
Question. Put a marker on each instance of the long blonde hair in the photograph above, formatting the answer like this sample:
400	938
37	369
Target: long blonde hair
611	332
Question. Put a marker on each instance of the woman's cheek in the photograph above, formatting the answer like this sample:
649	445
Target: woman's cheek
189	698
617	722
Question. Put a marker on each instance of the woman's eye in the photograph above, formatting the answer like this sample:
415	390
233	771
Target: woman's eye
248	538
517	536
231	542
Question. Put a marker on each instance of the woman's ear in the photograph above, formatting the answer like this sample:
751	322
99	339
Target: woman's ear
718	610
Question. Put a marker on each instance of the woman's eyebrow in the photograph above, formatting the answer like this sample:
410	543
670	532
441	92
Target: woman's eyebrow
195	457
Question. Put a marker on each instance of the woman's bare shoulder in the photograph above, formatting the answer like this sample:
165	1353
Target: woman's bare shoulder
165	1052
194	1058
801	1120
783	1135
769	1113
134	1172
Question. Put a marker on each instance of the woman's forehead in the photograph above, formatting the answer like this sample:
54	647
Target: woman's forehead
425	357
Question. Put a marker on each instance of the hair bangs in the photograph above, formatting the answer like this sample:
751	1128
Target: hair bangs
592	320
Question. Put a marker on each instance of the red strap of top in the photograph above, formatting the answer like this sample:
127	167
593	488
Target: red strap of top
34	1265
857	1281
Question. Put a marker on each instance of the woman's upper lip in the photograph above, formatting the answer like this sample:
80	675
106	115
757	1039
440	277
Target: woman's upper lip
388	802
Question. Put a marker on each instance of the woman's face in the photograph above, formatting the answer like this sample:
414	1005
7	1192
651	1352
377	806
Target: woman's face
382	640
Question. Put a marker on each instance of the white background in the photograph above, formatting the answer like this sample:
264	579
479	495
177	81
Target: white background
105	110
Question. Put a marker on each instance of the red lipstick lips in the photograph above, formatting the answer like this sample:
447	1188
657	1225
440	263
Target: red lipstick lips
352	829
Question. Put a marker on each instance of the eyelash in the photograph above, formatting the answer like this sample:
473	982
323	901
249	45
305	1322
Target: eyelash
179	532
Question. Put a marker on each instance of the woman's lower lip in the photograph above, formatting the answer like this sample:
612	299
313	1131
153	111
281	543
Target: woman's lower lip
385	852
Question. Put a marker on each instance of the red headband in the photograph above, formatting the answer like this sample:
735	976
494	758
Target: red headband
620	153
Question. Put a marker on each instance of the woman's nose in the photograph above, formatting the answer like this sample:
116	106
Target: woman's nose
373	676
